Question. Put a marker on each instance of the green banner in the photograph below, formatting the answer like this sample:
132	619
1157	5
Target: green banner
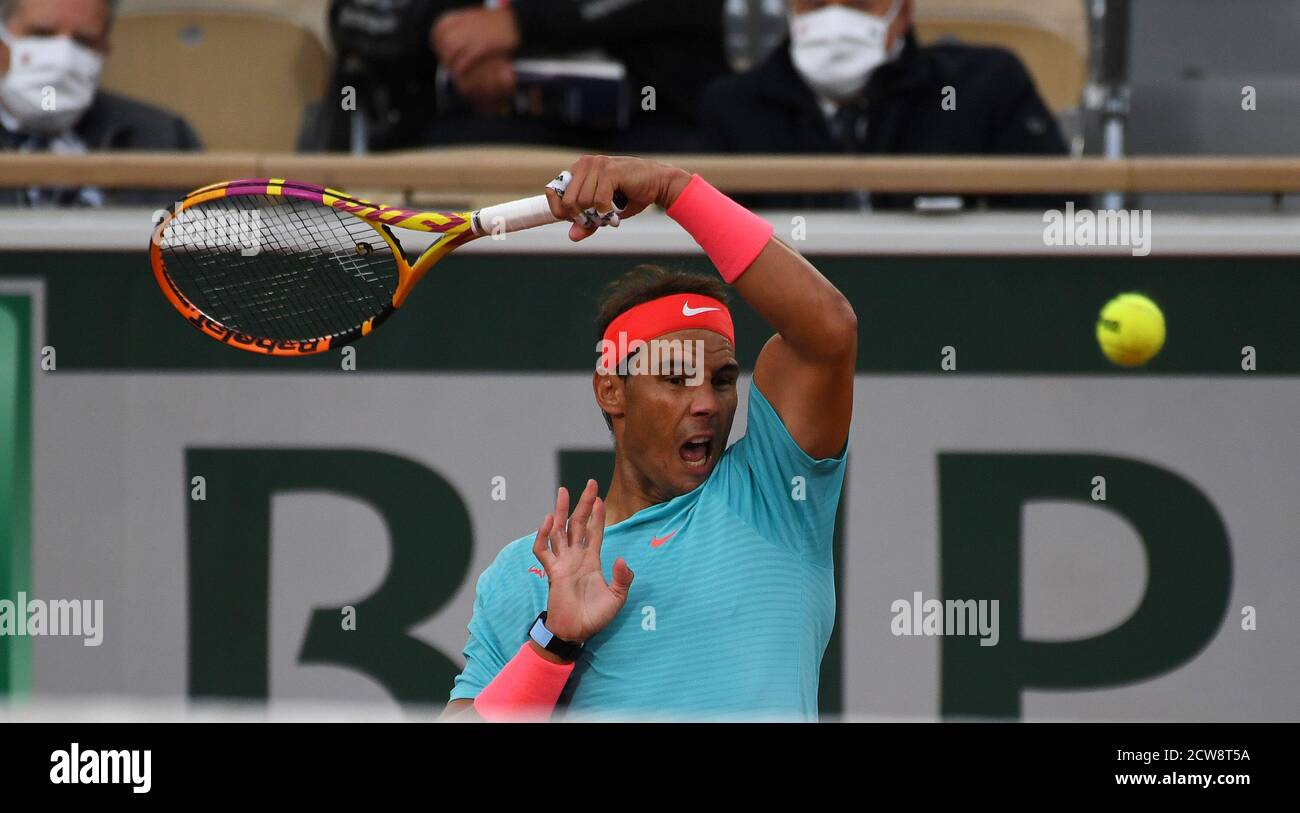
15	483
487	312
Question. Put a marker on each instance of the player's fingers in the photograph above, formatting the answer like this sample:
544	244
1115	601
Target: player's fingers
605	190
596	529
622	582
586	176
561	202
558	538
556	203
584	192
581	513
579	233
541	544
578	173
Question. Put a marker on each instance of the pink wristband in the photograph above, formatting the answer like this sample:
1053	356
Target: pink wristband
729	233
525	690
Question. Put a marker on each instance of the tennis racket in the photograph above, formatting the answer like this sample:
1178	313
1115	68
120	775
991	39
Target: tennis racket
284	268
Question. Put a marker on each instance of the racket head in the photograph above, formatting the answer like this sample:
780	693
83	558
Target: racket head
284	268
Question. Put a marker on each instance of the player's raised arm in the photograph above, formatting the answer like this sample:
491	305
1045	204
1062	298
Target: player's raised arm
806	370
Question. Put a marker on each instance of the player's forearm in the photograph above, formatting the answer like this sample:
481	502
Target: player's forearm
526	688
792	296
464	711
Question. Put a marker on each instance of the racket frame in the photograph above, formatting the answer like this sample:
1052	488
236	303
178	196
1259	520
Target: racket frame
456	230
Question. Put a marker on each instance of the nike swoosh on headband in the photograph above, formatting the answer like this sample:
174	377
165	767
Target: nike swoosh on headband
687	310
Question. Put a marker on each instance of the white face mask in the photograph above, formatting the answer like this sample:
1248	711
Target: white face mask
835	49
51	81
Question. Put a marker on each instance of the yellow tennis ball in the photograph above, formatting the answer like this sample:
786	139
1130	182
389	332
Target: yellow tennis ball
1131	329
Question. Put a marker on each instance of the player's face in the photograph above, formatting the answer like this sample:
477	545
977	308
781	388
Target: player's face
677	419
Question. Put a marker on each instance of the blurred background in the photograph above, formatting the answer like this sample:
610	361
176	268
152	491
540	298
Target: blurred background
228	509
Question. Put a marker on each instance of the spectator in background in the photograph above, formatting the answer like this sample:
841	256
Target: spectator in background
391	53
672	46
52	53
384	63
851	78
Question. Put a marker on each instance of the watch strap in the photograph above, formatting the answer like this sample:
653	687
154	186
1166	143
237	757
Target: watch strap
550	642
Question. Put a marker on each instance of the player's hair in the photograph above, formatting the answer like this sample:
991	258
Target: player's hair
644	283
8	7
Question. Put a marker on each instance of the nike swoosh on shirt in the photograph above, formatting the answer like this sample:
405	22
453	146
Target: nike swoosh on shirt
687	310
656	541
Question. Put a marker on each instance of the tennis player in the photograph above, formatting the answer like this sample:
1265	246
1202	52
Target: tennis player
701	586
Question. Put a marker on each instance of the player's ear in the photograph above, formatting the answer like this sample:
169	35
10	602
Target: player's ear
609	391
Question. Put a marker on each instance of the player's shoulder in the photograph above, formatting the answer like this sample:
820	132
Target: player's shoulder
761	418
768	442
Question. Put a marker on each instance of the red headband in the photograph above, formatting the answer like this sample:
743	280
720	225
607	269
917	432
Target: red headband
667	314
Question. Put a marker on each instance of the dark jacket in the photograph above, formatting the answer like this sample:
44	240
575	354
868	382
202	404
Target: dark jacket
117	123
674	46
770	109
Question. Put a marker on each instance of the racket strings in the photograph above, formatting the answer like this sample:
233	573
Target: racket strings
279	268
322	300
274	294
339	295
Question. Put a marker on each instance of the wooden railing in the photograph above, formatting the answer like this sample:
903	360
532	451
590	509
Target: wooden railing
497	169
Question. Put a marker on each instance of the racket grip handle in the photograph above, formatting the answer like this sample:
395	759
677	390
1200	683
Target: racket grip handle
516	215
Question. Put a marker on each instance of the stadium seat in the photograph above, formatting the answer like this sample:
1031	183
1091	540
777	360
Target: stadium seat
181	60
310	14
1049	36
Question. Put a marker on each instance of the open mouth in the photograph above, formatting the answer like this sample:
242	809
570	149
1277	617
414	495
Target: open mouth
697	451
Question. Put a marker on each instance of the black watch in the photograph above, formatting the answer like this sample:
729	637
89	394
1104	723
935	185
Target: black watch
567	650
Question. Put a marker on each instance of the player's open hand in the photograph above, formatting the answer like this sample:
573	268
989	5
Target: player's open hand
580	603
596	179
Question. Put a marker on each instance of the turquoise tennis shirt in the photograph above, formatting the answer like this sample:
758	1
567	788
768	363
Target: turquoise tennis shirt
730	609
